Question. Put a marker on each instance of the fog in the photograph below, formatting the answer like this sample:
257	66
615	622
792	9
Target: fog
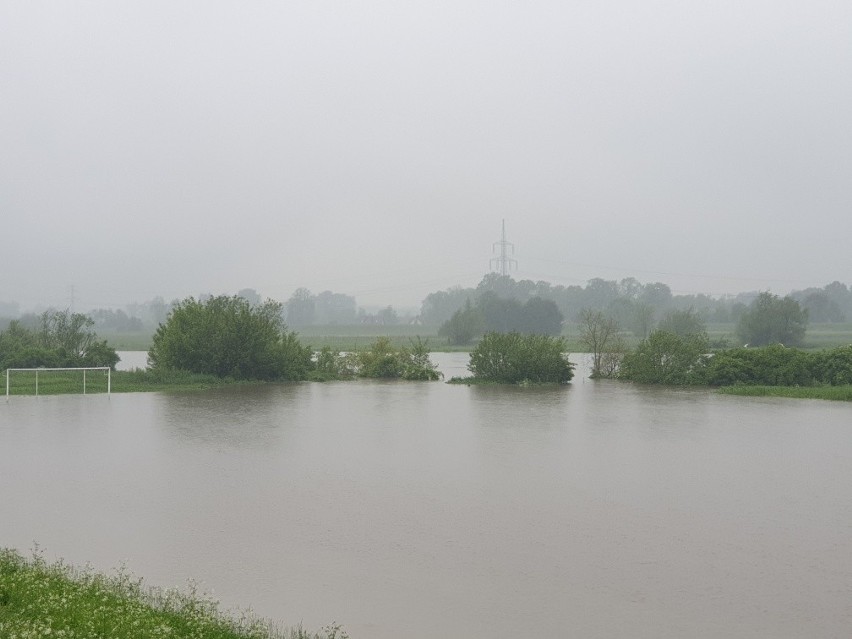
373	148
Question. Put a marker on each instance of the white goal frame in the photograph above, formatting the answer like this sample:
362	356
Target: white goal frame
9	372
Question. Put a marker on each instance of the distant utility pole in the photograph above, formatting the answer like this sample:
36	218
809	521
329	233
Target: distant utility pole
504	263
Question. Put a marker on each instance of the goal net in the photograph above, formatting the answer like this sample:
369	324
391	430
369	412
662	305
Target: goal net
56	381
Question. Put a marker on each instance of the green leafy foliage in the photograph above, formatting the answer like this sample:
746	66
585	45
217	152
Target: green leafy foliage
513	358
666	358
772	365
834	367
776	365
229	337
773	320
44	600
60	339
382	360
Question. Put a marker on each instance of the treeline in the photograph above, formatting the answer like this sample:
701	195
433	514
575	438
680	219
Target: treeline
491	313
678	352
635	306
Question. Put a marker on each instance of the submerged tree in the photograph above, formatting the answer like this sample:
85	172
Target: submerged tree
600	334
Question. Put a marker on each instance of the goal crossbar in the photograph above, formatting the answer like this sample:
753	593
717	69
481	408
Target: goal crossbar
43	369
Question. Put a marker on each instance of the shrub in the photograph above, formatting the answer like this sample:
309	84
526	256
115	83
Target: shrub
228	337
512	358
666	358
769	366
834	367
380	361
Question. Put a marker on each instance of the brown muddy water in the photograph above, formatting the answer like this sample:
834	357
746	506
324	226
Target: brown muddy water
414	510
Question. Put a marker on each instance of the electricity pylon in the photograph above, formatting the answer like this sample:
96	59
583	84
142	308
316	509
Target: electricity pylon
504	263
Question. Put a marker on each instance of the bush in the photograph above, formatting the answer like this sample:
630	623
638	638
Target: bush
769	366
381	361
834	367
512	358
228	337
666	358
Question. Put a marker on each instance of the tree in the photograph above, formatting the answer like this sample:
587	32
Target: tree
387	316
228	337
513	358
335	308
541	317
600	334
250	295
683	323
59	339
665	358
301	308
464	325
773	320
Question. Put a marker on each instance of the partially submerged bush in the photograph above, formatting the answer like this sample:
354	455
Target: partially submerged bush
512	358
228	337
779	366
380	361
768	366
666	358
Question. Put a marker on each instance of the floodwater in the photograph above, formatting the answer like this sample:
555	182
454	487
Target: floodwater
422	510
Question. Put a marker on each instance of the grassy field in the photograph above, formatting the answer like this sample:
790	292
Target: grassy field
836	393
40	600
71	382
359	337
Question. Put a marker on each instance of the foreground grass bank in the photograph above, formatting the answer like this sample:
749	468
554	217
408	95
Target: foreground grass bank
836	393
40	600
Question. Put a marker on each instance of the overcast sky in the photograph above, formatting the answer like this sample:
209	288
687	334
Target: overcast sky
373	148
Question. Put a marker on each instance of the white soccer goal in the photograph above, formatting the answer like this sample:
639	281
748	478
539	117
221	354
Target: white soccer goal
34	372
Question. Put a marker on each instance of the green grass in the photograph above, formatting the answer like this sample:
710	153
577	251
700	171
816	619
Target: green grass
71	382
40	600
837	393
136	341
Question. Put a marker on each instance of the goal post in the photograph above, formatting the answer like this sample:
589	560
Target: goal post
68	385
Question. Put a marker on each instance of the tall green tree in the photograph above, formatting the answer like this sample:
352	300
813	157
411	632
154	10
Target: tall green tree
773	320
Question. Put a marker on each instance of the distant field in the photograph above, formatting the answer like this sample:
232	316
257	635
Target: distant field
128	341
359	336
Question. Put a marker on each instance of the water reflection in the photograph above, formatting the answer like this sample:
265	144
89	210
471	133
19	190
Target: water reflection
233	416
